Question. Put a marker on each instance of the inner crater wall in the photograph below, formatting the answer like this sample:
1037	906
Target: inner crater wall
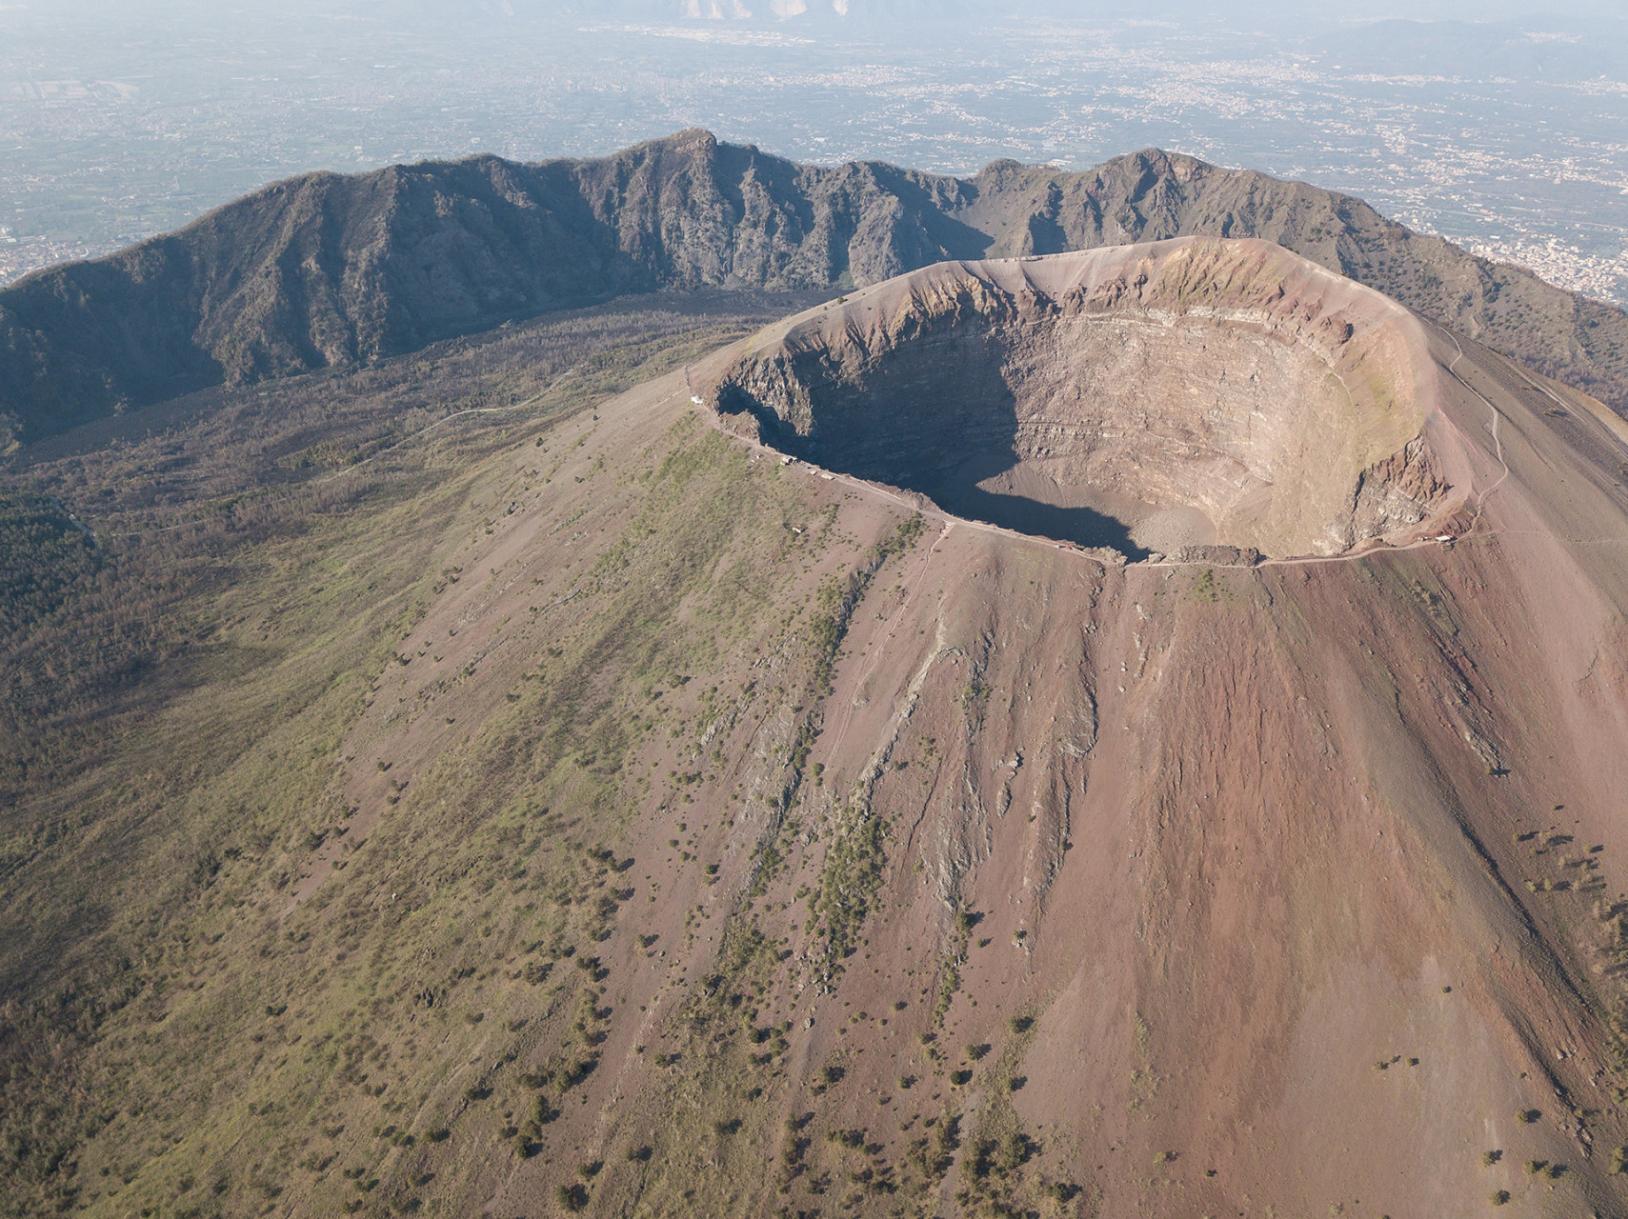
1140	405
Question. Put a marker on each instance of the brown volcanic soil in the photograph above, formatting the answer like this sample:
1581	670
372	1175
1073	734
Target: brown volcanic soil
1187	392
944	869
1270	891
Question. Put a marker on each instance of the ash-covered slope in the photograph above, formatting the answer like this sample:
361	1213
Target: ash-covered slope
647	827
1197	391
982	876
328	270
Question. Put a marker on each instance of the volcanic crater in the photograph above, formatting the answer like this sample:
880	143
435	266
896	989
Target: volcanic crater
1173	398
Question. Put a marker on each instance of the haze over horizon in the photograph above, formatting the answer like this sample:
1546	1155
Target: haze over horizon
1229	11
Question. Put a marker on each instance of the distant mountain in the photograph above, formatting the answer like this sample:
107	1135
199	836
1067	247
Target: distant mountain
328	270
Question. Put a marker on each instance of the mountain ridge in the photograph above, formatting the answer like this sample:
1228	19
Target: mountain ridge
329	270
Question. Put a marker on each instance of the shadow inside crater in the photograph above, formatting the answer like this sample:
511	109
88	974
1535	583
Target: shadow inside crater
936	415
1081	526
941	421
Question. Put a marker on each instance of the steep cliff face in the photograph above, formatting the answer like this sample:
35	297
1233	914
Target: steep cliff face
326	271
1184	393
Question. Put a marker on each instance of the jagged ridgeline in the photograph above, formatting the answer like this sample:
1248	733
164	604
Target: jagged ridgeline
328	270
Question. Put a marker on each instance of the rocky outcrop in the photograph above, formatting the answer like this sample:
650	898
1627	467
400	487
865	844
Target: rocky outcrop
1397	493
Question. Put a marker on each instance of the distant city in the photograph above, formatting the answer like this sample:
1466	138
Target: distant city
1511	140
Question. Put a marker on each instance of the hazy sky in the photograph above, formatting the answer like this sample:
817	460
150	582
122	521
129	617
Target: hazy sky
1239	11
